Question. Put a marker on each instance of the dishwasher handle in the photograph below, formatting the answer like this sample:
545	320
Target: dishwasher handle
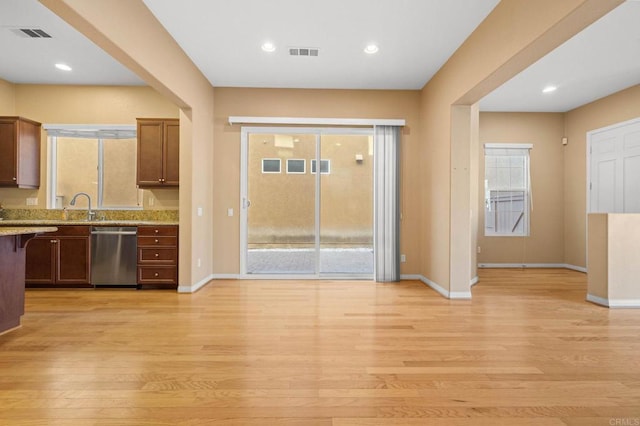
114	233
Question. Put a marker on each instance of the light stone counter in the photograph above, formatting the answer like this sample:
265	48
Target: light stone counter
24	230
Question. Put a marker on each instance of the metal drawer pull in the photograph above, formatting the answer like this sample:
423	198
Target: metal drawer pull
157	255
157	241
156	274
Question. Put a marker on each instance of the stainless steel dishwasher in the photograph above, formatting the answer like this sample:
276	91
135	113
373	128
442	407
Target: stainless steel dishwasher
113	255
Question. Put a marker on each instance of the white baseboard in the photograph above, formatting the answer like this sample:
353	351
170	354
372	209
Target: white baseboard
225	276
533	265
195	287
460	295
614	303
576	268
445	293
597	300
624	303
521	265
474	281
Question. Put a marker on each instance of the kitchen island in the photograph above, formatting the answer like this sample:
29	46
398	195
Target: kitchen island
13	240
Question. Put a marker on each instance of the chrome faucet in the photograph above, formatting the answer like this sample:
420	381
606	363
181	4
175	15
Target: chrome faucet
90	214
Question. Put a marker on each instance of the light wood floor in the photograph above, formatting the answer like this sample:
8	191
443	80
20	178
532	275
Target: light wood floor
528	350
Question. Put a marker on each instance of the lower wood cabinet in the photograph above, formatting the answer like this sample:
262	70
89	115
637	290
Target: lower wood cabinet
158	256
60	259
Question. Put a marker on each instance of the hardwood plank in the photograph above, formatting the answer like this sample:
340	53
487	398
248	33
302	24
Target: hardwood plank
528	349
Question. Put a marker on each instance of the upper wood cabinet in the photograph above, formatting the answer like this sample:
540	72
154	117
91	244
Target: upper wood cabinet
19	152
158	152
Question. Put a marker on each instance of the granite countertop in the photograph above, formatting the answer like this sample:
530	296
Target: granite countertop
23	230
57	222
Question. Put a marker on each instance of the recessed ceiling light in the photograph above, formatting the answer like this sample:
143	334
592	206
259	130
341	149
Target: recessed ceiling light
63	67
269	47
549	89
371	49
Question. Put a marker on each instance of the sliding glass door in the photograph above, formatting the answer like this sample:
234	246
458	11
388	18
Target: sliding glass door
307	202
346	204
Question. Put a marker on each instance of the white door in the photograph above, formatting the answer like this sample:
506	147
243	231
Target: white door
615	169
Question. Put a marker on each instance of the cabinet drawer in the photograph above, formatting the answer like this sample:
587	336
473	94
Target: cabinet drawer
164	255
69	230
162	230
157	275
158	241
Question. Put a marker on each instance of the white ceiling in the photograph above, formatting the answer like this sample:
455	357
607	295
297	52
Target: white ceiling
31	61
416	37
601	60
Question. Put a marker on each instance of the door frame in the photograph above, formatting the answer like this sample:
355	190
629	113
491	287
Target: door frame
245	202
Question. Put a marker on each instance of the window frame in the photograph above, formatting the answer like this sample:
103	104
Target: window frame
509	150
322	160
271	159
304	166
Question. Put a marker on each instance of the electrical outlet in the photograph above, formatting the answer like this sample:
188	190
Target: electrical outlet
230	212
152	201
479	250
32	201
199	262
403	258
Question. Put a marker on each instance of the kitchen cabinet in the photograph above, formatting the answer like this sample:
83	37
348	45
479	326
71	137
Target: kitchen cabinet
158	152
19	153
12	264
60	259
158	256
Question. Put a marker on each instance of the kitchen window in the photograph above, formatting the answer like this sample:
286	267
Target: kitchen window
98	161
507	189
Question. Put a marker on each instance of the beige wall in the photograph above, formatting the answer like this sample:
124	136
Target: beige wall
614	258
512	37
7	98
308	103
619	107
598	246
55	104
545	244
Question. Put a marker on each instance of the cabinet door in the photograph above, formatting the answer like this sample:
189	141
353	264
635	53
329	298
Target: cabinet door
172	153
40	263
28	173
73	260
150	152
8	153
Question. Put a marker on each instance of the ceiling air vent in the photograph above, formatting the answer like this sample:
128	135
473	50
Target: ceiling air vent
303	51
31	32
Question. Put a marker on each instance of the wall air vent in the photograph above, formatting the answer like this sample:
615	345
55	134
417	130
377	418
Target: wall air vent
30	32
303	51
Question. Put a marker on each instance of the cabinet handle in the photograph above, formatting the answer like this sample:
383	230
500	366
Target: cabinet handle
157	230
157	241
53	241
157	255
156	274
159	179
14	178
